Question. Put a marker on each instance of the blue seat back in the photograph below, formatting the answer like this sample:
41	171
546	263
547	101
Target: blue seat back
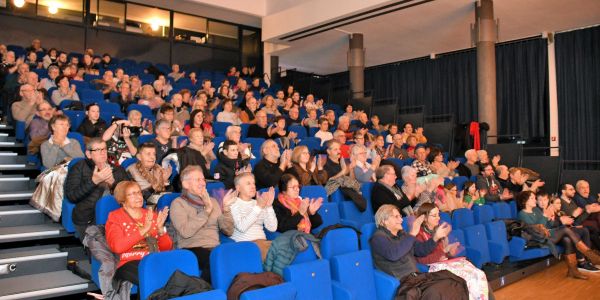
476	238
230	259
77	136
88	96
76	117
460	181
155	269
457	235
501	210
513	208
109	107
314	191
330	214
366	232
307	255
256	143
338	241
311	279
245	128
300	130
68	206
104	206
128	162
496	232
312	143
145	110
146	138
219	128
462	218
483	214
445	217
166	200
355	272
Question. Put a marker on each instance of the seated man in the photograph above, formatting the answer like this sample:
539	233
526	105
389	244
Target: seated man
38	130
164	142
580	215
271	167
106	84
250	216
487	181
92	126
386	191
230	164
471	166
88	180
589	203
196	153
294	117
421	164
24	110
518	178
152	178
261	128
58	147
340	137
394	252
395	150
248	113
197	218
49	82
175	74
324	134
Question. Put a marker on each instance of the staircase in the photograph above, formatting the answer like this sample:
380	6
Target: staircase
34	250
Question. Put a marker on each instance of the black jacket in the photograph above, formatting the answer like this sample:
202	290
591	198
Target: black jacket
267	174
90	130
80	189
286	221
226	169
381	195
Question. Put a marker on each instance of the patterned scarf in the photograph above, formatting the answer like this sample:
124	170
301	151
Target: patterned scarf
293	204
157	183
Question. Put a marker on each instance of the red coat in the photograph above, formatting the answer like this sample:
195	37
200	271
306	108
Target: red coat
124	238
436	255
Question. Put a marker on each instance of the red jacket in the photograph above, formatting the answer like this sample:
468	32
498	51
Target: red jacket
124	238
436	255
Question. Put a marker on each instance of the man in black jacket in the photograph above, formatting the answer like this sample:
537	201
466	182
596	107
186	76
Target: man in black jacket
88	180
271	167
385	190
230	164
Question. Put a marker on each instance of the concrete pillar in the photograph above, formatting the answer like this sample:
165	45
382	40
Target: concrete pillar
486	66
356	65
553	97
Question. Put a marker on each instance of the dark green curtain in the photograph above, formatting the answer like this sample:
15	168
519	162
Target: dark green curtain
522	88
578	84
445	85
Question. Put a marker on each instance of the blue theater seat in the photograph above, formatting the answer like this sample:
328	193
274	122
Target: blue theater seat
312	280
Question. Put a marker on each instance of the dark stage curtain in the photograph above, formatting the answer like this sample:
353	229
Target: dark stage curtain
522	88
578	84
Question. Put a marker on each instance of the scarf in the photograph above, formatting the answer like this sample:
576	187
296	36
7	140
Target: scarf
157	184
293	204
192	199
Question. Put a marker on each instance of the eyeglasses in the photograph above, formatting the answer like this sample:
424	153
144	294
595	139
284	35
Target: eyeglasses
294	187
136	193
98	149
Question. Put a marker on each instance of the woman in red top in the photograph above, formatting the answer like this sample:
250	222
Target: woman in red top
198	120
440	258
132	231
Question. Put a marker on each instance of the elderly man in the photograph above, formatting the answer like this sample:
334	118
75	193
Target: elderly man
421	164
106	84
248	113
472	166
38	130
90	179
197	218
25	109
49	82
261	128
385	190
271	167
294	117
395	150
340	137
589	202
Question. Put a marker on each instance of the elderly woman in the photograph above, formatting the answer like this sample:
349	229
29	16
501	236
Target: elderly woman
443	256
293	212
228	115
363	171
270	107
64	91
58	147
149	97
410	189
431	190
133	232
437	166
574	240
394	252
152	178
234	133
196	153
307	170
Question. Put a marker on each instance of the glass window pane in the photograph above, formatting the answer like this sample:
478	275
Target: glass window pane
108	13
147	20
190	28
70	10
222	34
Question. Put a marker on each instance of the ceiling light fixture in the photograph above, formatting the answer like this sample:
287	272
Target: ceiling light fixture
19	3
53	8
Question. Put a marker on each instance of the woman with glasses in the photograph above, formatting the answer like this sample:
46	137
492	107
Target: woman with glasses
443	257
436	158
133	232
307	170
293	212
363	171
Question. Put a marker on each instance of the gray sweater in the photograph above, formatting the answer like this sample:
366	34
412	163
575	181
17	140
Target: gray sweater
53	154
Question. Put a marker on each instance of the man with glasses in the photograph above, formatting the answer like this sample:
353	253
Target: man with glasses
164	142
38	130
386	191
90	179
261	128
25	109
487	181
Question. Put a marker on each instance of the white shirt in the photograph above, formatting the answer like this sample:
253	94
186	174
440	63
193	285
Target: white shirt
324	136
249	219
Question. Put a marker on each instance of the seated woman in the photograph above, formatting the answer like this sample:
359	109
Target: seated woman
394	252
92	126
58	147
436	158
133	232
149	97
64	91
197	120
431	190
324	134
443	256
248	113
196	153
278	131
472	196
250	216
306	170
270	107
152	178
227	115
452	200
120	145
293	212
571	238
364	171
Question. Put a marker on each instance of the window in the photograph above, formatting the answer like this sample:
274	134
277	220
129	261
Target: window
147	20
70	10
223	34
189	28
108	13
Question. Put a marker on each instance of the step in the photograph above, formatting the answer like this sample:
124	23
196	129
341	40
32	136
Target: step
7	157
32	232
13	161
4	137
16	183
43	285
15	195
33	260
20	215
